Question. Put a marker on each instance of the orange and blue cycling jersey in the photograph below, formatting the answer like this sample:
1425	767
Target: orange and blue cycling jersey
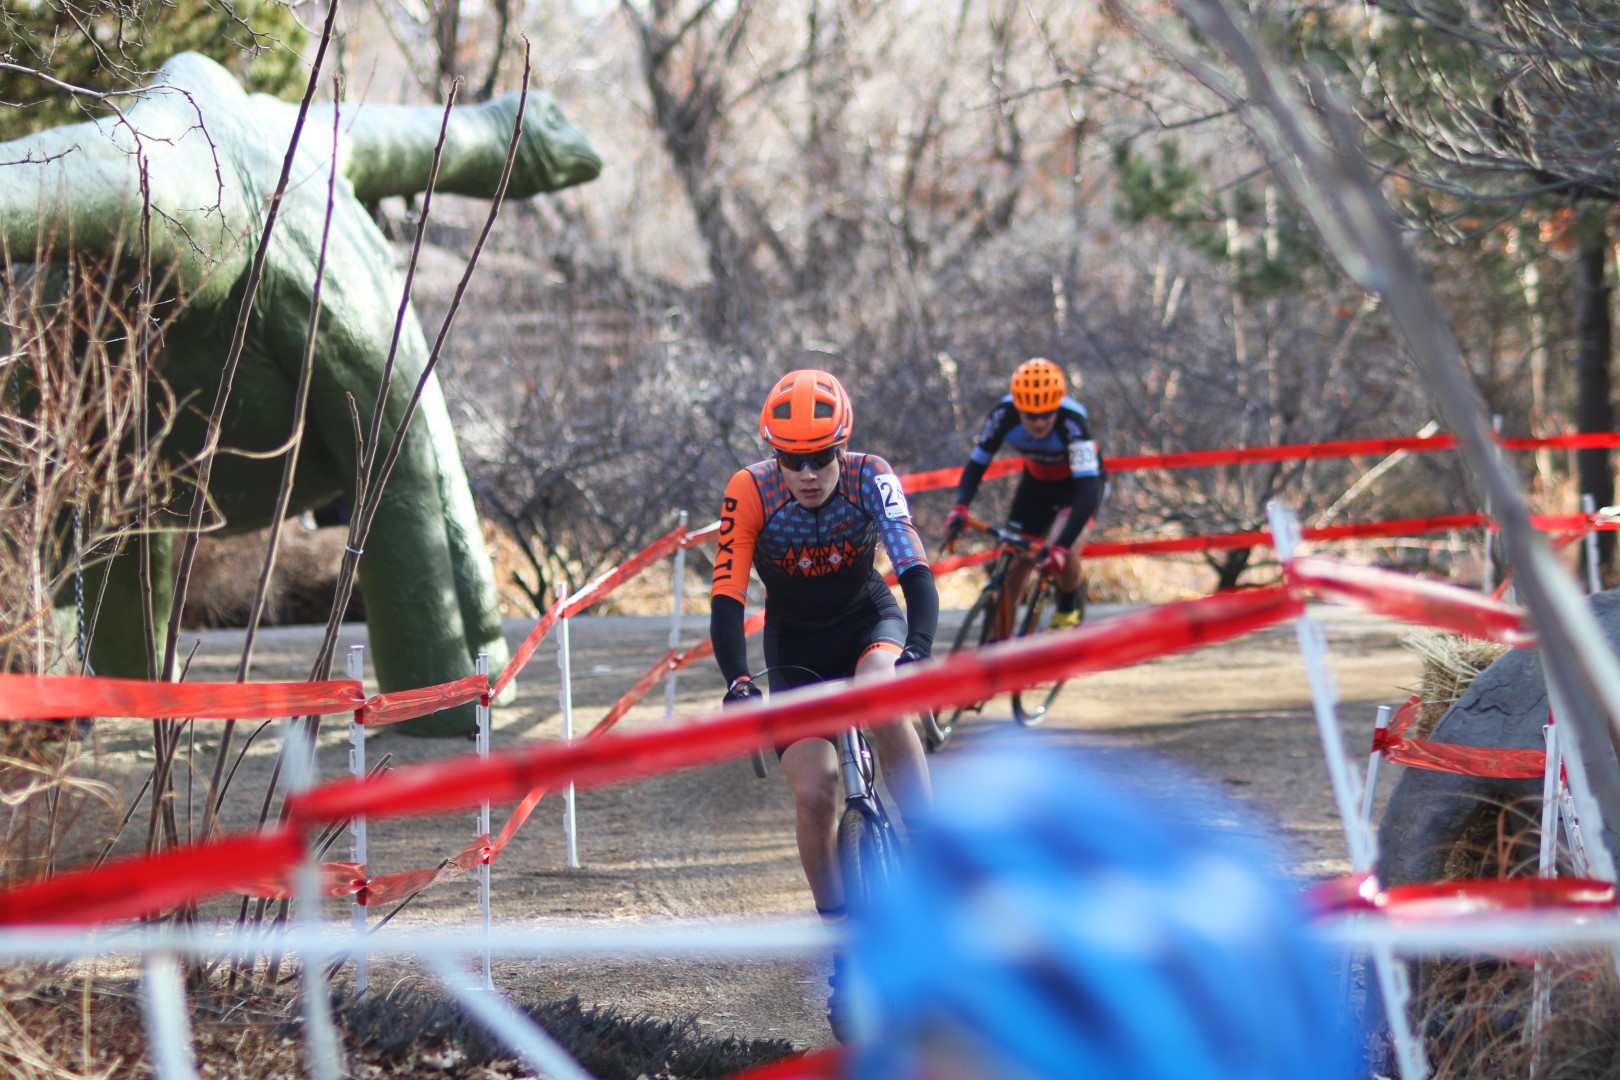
814	563
1068	450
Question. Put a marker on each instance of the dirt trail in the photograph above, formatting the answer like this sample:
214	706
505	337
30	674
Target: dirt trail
716	842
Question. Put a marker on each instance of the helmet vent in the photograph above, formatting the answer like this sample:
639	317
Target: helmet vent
784	411
824	410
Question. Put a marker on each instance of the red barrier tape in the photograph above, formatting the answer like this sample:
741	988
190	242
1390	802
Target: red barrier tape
1453	899
962	678
132	887
391	708
1491	761
822	1065
1348	892
1457	897
49	697
626	570
1190	459
525	651
1413	600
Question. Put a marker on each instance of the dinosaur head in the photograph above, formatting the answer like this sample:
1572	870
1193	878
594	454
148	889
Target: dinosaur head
553	153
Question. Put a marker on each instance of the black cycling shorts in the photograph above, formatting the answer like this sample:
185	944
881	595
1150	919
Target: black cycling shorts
1037	503
799	652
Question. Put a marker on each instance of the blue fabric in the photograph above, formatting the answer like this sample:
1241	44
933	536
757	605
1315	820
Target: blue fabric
1064	923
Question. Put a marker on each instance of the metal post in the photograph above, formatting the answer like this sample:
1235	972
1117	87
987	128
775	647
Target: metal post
1594	579
1392	981
482	714
357	827
565	699
1371	787
675	619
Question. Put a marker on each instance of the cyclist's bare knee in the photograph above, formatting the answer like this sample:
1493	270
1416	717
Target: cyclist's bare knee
876	662
811	768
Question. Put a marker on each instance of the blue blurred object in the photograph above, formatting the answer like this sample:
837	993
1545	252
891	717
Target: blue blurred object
1058	922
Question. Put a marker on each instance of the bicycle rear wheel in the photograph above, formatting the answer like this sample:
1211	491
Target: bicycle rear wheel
976	629
868	851
1030	703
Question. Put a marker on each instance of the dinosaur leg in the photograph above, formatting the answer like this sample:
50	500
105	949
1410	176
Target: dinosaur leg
118	643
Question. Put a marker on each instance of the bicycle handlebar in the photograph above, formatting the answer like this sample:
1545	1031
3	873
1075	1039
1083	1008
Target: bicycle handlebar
1028	545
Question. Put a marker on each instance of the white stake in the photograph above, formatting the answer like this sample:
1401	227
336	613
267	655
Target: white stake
675	621
1369	791
357	825
482	714
1392	981
565	699
1594	579
163	1000
325	1057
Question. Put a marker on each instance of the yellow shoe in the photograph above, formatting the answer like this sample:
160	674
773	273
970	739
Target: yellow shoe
1061	620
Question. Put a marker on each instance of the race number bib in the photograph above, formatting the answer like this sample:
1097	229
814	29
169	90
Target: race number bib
892	498
1083	457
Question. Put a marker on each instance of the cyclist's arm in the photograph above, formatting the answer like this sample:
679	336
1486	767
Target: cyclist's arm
882	498
1086	465
741	515
922	608
730	642
996	426
1088	491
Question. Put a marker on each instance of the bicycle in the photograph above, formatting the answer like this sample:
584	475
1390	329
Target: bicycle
868	842
993	618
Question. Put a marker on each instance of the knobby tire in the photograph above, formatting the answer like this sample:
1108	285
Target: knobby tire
1030	703
976	629
868	852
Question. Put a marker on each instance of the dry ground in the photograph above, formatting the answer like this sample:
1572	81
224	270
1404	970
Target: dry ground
716	841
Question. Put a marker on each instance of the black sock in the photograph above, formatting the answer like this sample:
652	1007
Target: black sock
1068	599
832	915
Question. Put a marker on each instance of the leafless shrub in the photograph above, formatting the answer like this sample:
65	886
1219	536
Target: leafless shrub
79	468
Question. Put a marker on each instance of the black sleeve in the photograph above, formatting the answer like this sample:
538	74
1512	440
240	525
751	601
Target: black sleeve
1088	491
968	486
726	631
922	609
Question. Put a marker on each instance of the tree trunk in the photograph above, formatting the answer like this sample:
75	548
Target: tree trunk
1593	411
1230	567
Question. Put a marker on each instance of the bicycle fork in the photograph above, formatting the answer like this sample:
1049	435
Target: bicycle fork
854	764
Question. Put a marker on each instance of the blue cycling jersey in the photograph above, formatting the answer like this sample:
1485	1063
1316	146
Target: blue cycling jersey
1066	450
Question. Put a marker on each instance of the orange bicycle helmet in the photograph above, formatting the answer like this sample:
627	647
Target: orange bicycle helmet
1038	386
806	411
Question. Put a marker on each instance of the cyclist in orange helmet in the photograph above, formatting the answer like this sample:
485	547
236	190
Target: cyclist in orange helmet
1062	483
809	519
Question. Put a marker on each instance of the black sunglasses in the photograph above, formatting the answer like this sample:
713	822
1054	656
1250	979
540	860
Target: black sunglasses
818	460
1037	417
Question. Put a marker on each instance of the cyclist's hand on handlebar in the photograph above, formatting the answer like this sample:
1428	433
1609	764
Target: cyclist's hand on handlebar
910	655
956	522
742	689
1054	559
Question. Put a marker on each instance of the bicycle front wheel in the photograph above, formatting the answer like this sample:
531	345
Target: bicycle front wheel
868	852
1030	703
977	628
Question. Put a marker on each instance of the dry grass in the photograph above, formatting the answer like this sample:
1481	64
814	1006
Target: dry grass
1450	663
87	1024
1477	1015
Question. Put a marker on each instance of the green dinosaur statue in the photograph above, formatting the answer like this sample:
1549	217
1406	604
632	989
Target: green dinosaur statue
213	154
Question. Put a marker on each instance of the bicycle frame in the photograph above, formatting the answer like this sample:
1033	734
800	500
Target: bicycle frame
1013	546
855	769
